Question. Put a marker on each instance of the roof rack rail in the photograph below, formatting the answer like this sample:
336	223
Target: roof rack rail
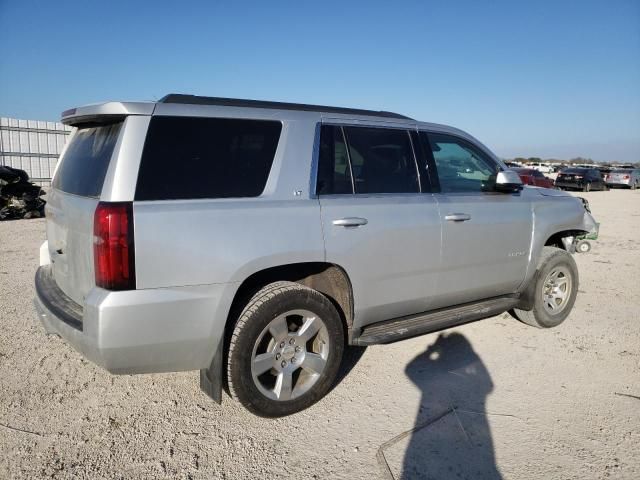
239	102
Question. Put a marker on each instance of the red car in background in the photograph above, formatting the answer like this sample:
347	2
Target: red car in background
530	176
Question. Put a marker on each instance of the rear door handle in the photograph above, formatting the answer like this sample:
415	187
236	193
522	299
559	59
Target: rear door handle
350	222
457	217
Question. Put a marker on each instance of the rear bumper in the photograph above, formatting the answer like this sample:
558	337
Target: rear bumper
577	185
138	331
619	183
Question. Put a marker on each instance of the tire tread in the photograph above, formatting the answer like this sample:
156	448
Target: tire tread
263	295
529	317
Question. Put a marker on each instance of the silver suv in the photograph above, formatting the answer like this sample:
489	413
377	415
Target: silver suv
255	241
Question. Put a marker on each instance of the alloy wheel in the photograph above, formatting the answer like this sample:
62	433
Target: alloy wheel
556	290
290	355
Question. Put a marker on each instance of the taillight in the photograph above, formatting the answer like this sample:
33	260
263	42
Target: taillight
113	246
626	177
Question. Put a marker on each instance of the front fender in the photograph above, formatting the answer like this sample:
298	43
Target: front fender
555	214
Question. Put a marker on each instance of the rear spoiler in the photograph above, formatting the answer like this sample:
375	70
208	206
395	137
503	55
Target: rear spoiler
101	112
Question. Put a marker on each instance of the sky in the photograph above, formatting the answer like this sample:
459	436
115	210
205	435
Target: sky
550	79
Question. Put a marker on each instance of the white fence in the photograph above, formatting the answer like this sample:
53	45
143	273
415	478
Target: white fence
33	146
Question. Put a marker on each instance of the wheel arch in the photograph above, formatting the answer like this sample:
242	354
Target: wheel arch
328	278
556	239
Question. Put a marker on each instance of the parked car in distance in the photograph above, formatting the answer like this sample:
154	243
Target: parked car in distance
585	179
512	164
623	177
541	167
283	234
529	176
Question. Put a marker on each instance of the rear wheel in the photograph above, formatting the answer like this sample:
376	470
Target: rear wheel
554	292
285	350
586	188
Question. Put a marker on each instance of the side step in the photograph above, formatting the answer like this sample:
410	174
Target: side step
401	328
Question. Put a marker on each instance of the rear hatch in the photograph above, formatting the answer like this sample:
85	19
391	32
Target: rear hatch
71	205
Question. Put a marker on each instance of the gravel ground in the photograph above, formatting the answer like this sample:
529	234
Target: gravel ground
488	399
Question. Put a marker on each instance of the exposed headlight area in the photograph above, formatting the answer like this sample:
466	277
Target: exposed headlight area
585	204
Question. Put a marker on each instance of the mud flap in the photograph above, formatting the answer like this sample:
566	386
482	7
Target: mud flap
211	378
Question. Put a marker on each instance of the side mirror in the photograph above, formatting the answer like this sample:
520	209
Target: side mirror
508	181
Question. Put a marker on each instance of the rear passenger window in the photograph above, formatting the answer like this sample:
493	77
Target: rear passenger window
461	166
191	158
334	173
381	160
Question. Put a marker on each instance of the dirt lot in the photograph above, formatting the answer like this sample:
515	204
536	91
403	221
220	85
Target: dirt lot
488	399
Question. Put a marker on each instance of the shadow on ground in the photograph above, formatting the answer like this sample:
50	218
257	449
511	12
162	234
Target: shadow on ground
451	437
350	359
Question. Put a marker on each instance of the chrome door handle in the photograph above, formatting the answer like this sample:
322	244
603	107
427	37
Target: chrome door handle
350	222
457	217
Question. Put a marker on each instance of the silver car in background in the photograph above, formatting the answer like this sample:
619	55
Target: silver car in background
623	177
255	241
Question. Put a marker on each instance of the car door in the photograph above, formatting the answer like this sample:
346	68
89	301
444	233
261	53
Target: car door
378	225
486	235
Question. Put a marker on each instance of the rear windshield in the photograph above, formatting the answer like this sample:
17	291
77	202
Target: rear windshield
85	163
574	171
191	158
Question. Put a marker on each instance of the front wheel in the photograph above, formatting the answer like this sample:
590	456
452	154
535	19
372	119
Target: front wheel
285	350
554	292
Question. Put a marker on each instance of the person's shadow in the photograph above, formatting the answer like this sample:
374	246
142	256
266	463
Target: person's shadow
452	438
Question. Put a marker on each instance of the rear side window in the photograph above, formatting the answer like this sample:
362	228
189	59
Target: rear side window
191	158
86	160
334	172
382	160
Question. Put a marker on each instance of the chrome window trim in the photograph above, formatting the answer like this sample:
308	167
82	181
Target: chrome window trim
354	122
376	195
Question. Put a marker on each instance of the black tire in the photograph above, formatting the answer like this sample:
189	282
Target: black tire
583	246
264	307
552	259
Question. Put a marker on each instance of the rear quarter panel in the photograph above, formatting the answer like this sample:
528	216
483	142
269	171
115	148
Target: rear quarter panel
203	242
